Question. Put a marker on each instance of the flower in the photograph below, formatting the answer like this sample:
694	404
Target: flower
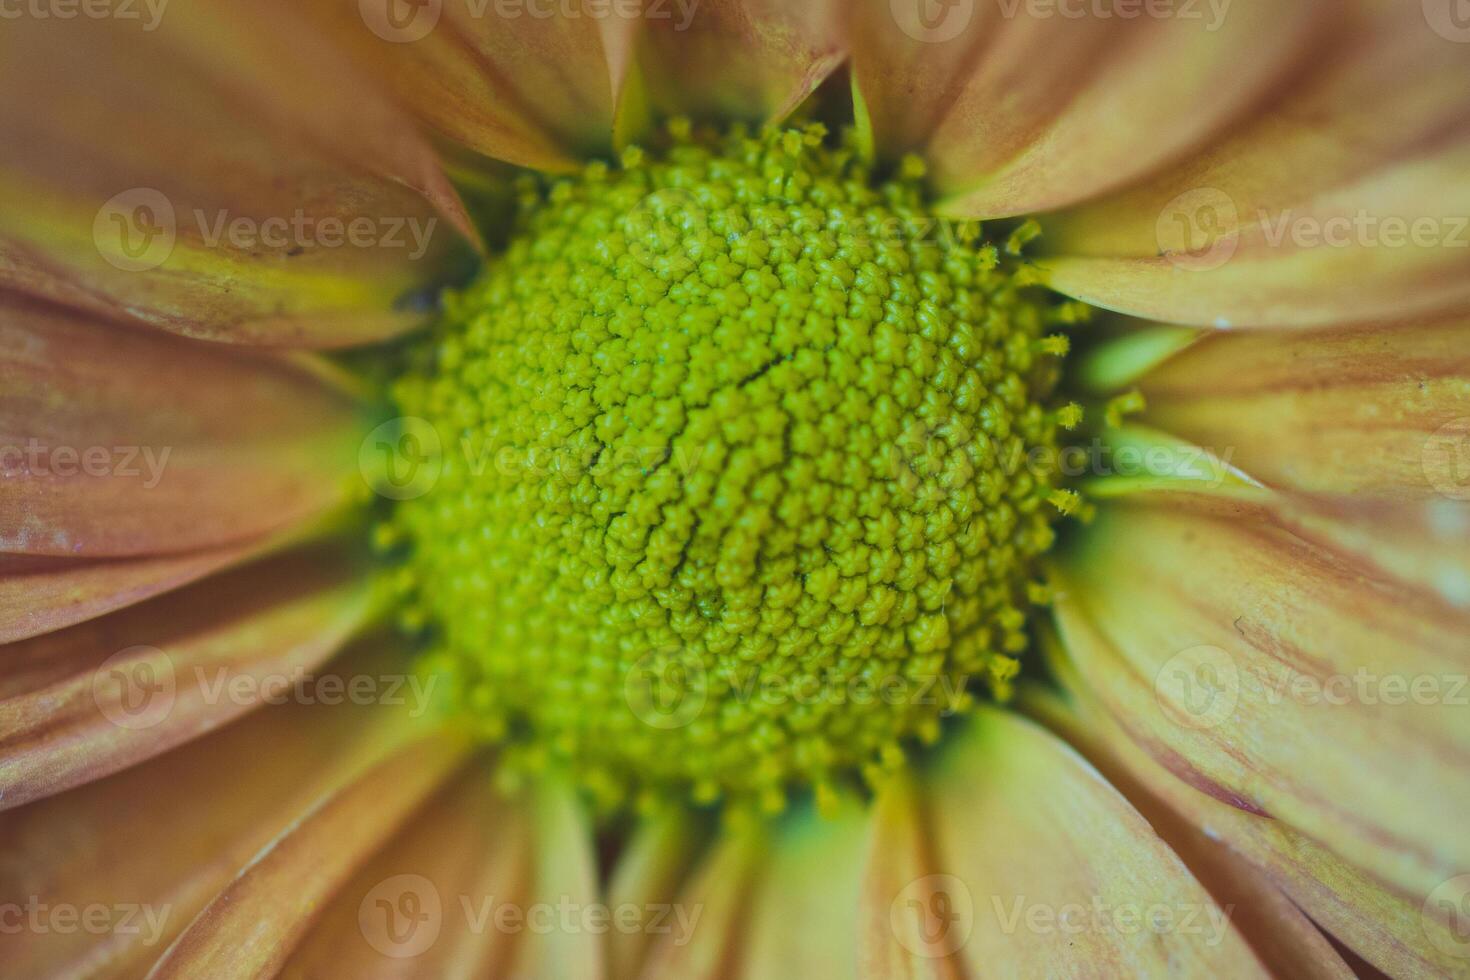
887	488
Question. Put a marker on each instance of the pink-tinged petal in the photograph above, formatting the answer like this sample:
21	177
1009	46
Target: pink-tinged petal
1284	939
1380	412
893	944
719	891
1396	931
105	695
535	86
251	927
444	899
646	877
164	838
1282	677
123	441
755	60
1342	200
1020	109
198	188
565	872
42	595
1043	869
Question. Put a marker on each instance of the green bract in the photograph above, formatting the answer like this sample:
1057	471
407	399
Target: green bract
746	466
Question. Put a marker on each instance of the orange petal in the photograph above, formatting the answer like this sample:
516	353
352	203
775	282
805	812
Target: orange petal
1284	938
1343	200
1381	412
251	927
536	85
646	877
1280	677
1400	933
117	441
743	59
1021	109
427	904
157	174
1043	869
156	843
893	943
99	697
42	595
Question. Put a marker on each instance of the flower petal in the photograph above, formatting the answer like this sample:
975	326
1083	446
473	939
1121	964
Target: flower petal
163	838
1044	869
1381	412
1282	678
755	60
537	86
1027	108
1284	938
1391	929
647	874
118	441
1342	201
426	904
251	927
198	191
102	696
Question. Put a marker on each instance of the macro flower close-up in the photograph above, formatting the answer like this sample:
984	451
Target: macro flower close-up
623	489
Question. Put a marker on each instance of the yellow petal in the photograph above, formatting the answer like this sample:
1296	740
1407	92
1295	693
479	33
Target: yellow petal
1046	870
257	192
156	843
1030	108
1342	200
121	441
745	59
646	878
104	695
1282	678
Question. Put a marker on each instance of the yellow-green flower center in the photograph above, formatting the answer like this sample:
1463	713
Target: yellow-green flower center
746	464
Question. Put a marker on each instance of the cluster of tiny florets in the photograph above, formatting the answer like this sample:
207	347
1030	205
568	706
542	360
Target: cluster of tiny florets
743	474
